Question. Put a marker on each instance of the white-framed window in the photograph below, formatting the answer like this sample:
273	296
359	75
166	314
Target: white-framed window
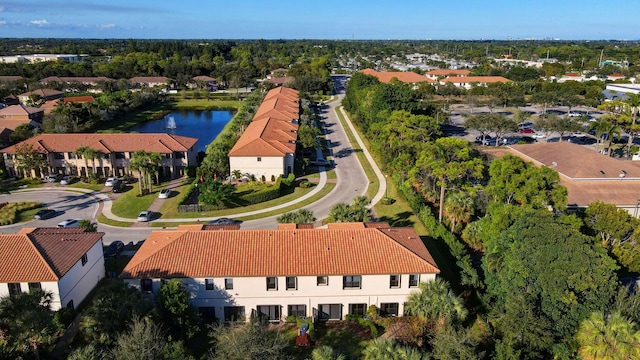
292	283
297	310
322	280
358	309
146	285
259	159
389	309
270	312
85	259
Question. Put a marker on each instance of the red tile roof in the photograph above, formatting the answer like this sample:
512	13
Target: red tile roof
78	99
406	77
42	254
282	252
107	143
45	93
272	131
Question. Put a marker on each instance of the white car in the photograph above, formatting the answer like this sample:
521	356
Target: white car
164	194
538	135
111	181
144	216
69	223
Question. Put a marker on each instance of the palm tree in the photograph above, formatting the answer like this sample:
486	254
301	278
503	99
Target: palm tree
435	301
610	337
88	154
145	164
81	153
458	207
326	352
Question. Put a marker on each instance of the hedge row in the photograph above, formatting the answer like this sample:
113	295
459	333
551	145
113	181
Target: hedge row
9	212
469	275
270	193
186	197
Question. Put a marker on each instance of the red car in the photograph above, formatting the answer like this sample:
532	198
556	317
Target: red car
526	131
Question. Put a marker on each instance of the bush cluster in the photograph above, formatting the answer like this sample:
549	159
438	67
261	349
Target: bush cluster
10	211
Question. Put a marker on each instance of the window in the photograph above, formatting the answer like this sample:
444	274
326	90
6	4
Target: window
119	155
351	282
272	283
297	310
292	283
208	284
14	289
270	312
323	280
259	159
179	155
130	155
106	156
394	281
58	156
330	311
358	309
70	305
71	155
414	280
84	259
234	313
207	313
389	309
35	286
147	285
228	284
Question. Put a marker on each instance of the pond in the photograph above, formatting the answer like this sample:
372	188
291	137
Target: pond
205	125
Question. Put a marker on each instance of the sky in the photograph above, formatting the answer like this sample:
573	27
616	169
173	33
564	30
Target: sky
328	19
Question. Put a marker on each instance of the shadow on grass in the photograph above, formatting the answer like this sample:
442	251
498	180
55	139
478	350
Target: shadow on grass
399	220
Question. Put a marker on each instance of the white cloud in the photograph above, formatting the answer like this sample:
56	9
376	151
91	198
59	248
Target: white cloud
107	26
2	22
42	22
1	8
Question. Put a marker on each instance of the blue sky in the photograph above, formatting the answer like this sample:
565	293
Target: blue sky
328	19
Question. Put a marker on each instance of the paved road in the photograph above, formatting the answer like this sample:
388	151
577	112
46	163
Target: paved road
70	205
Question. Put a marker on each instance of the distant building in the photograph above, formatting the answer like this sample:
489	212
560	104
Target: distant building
34	58
205	82
442	73
69	263
405	77
115	153
150	81
468	82
14	115
44	94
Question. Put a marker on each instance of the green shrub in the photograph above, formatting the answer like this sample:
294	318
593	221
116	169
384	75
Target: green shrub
289	180
63	317
9	212
306	184
187	194
190	171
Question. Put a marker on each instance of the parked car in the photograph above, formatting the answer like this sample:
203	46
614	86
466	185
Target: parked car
222	221
144	216
129	179
54	177
69	223
164	194
66	180
114	249
320	162
117	187
479	138
110	181
526	131
44	214
538	135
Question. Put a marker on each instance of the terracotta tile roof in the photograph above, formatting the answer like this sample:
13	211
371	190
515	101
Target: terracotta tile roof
42	254
45	93
294	226
475	79
271	132
78	99
448	72
266	137
106	143
299	252
406	77
20	109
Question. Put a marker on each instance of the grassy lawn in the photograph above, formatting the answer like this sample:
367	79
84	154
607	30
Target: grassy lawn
374	185
104	220
169	208
298	192
129	205
83	185
204	104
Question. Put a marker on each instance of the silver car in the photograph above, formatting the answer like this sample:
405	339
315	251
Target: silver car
144	216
